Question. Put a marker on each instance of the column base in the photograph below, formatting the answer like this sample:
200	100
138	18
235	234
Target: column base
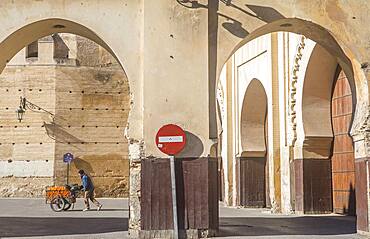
363	233
362	204
183	234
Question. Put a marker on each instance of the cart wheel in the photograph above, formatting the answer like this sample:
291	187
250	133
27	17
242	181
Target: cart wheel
57	204
67	206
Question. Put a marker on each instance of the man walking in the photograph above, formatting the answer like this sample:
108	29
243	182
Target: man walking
88	188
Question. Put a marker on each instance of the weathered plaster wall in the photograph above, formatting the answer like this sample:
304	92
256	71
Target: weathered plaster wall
165	90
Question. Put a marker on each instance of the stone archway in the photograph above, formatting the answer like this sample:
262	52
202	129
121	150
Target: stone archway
342	53
23	36
82	86
186	35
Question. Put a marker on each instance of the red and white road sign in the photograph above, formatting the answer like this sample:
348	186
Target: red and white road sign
170	139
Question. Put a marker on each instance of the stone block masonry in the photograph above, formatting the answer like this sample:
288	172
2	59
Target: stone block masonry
90	100
91	116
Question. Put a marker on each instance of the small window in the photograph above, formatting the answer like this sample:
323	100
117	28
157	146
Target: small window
32	50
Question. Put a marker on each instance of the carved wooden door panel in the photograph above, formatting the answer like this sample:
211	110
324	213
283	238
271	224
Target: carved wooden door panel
343	161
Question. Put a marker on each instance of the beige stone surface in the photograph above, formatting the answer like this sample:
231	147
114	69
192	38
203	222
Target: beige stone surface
90	101
173	53
24	186
91	116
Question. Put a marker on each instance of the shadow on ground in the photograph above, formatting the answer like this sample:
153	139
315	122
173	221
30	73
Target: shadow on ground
101	210
306	225
35	226
229	226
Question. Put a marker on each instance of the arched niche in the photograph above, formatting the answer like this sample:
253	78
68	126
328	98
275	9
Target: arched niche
253	120
251	165
317	92
313	179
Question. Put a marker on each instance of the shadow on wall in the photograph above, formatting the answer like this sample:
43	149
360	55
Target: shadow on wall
83	164
57	133
351	210
194	147
236	28
265	14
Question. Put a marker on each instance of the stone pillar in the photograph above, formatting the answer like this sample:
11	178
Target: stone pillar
360	133
284	76
229	136
362	183
275	147
182	99
136	154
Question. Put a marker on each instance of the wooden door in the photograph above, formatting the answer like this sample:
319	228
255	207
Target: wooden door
252	181
343	160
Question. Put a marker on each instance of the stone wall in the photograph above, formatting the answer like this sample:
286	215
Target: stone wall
91	116
88	93
26	150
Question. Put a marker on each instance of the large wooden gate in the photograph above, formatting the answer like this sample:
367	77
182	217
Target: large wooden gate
343	161
197	196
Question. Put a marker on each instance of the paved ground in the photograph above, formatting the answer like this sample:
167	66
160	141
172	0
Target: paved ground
32	218
20	218
260	223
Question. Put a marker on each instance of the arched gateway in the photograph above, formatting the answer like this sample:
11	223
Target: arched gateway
172	52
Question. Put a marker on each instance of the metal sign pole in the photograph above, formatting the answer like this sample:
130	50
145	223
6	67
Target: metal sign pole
174	202
67	158
68	173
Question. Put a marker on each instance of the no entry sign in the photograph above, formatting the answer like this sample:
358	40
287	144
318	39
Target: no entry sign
170	139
